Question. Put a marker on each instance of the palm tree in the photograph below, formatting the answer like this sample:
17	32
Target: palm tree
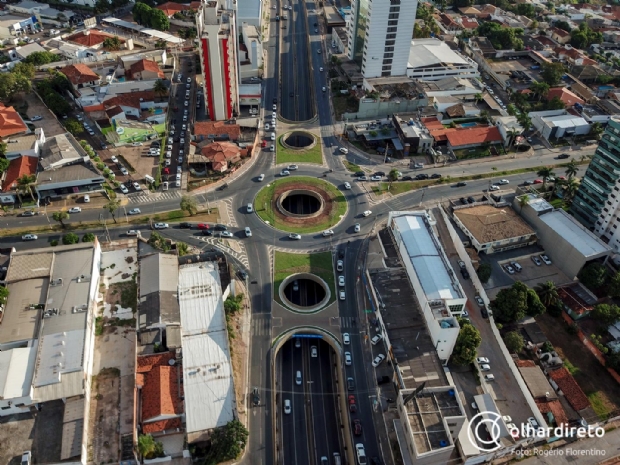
478	97
571	168
539	88
392	176
160	88
571	186
525	121
523	201
545	173
25	183
548	293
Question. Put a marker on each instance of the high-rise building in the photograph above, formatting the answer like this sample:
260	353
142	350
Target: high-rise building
596	204
218	37
379	34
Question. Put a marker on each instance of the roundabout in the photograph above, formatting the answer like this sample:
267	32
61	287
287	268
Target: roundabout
300	204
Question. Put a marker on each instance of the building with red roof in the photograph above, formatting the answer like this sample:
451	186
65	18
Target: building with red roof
91	38
144	70
469	23
10	122
222	154
159	382
205	129
80	75
569	98
559	35
17	168
171	8
569	387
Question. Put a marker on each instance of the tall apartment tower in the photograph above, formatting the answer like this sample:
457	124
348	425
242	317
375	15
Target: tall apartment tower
379	34
597	202
218	38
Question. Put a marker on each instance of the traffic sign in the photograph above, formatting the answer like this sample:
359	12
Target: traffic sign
369	311
309	336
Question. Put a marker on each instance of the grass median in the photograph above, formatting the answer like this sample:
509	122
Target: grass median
311	155
287	264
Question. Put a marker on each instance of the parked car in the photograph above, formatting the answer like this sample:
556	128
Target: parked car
376	339
161	226
339	265
545	259
185	225
378	360
29	237
75	210
482	360
36	118
536	260
383	379
485	367
509	269
28	213
479	301
134	211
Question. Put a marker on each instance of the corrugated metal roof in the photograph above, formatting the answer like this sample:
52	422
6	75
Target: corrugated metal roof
573	233
158	272
207	374
16	369
426	258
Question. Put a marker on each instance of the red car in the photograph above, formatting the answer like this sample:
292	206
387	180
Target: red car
357	427
264	144
538	181
166	171
203	226
352	405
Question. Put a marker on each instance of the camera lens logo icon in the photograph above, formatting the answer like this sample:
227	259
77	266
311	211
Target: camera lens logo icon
484	431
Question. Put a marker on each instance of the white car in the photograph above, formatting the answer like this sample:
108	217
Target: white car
341	281
494	187
261	178
533	423
485	367
357	227
182	141
178	176
36	118
123	189
189	80
292	167
186	103
287	406
29	237
320	69
124	171
507	419
267	127
482	360
375	178
489	378
545	259
184	127
504	181
248	232
347	186
328	232
136	144
314	353
284	172
75	210
346	339
161	226
274	107
294	236
378	360
342	295
376	339
343	150
367	213
323	89
347	358
134	211
536	260
340	265
136	186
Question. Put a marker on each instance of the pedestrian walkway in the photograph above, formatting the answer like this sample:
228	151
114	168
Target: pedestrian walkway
144	196
234	248
261	325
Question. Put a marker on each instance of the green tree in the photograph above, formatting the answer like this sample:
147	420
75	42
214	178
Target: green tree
555	104
571	186
502	38
159	20
596	129
227	442
606	314
571	168
88	237
593	276
466	346
545	173
552	73
563	25
101	6
160	88
231	306
514	342
534	306
141	13
484	272
523	201
70	238
525	121
4	295
25	69
25	183
182	249
7	86
510	304
61	216
392	177
4	165
540	89
42	58
112	43
111	207
548	293
148	447
74	126
189	205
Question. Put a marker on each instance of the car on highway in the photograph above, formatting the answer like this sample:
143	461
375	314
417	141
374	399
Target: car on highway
378	360
545	259
482	360
285	173
134	211
536	260
321	69
527	183
292	167
461	184
376	339
341	281
255	397
189	80
346	339
287	406
225	234
161	226
503	181
367	213
328	232
339	265
74	210
29	237
28	213
294	236
342	295
185	225
261	178
494	187
136	186
347	186
343	150
563	156
357	427
479	301
356	227
485	367
351	398
347	358
314	353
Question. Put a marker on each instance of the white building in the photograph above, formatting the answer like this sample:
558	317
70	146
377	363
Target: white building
379	43
433	59
509	128
218	42
41	12
11	26
250	60
207	371
438	291
559	123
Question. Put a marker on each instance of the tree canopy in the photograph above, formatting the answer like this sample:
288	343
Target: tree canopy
502	38
42	58
514	342
70	238
189	205
513	303
552	73
467	344
227	442
606	314
150	17
593	276
583	36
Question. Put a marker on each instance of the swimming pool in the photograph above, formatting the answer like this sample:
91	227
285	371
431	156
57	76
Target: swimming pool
467	125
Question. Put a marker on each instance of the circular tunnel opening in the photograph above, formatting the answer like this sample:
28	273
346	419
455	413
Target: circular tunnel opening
304	292
301	204
298	140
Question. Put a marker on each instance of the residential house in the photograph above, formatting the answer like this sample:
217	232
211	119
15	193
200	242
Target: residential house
24	51
573	56
81	75
577	300
447	23
559	35
470	11
144	70
221	130
469	23
565	95
562	380
28	144
11	122
221	155
91	38
171	8
466	138
159	56
413	136
510	129
18	167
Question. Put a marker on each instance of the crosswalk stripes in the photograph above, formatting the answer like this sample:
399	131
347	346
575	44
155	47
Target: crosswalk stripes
261	325
229	210
144	198
240	256
348	322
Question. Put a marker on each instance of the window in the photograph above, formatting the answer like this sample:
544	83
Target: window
393	15
390	36
386	74
387	62
388	55
389	43
605	209
392	29
394	9
389	49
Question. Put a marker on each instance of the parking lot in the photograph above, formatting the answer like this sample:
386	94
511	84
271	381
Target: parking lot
137	158
49	123
531	274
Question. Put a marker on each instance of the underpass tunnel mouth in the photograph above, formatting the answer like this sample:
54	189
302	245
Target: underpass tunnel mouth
299	140
304	292
301	202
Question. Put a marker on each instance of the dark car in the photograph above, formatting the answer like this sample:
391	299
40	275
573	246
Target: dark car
463	201
185	225
341	253
563	156
207	232
528	183
275	100
220	227
484	313
242	274
357	427
350	384
461	184
422	176
222	187
406	178
435	176
255	397
383	379
471	199
359	174
379	173
375	461
465	273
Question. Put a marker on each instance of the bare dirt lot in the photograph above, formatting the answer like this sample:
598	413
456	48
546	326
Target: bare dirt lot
602	390
138	163
103	446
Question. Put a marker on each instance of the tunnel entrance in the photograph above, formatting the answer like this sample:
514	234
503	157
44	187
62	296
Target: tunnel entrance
301	204
299	140
305	292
